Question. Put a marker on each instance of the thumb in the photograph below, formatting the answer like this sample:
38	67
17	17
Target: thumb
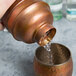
4	5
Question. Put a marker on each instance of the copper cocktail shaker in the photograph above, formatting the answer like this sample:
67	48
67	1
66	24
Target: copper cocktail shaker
62	61
30	21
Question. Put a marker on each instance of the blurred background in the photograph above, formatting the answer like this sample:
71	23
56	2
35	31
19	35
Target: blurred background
16	58
63	8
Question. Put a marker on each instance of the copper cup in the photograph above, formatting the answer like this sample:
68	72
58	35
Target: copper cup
62	61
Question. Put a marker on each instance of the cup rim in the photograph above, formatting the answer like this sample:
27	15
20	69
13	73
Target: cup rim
70	57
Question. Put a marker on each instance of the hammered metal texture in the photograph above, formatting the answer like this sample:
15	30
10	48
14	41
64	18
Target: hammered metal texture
63	65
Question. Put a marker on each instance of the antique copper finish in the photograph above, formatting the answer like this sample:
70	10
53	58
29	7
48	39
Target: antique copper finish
30	21
62	61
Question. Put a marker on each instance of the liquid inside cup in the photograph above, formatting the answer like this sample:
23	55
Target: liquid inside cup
60	54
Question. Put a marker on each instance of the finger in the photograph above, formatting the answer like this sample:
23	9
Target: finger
4	5
1	27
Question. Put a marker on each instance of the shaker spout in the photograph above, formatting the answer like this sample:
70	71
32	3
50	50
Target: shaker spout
45	34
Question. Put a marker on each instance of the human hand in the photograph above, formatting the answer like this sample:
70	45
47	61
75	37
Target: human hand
4	5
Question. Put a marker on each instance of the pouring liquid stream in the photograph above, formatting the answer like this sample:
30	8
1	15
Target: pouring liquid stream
50	55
